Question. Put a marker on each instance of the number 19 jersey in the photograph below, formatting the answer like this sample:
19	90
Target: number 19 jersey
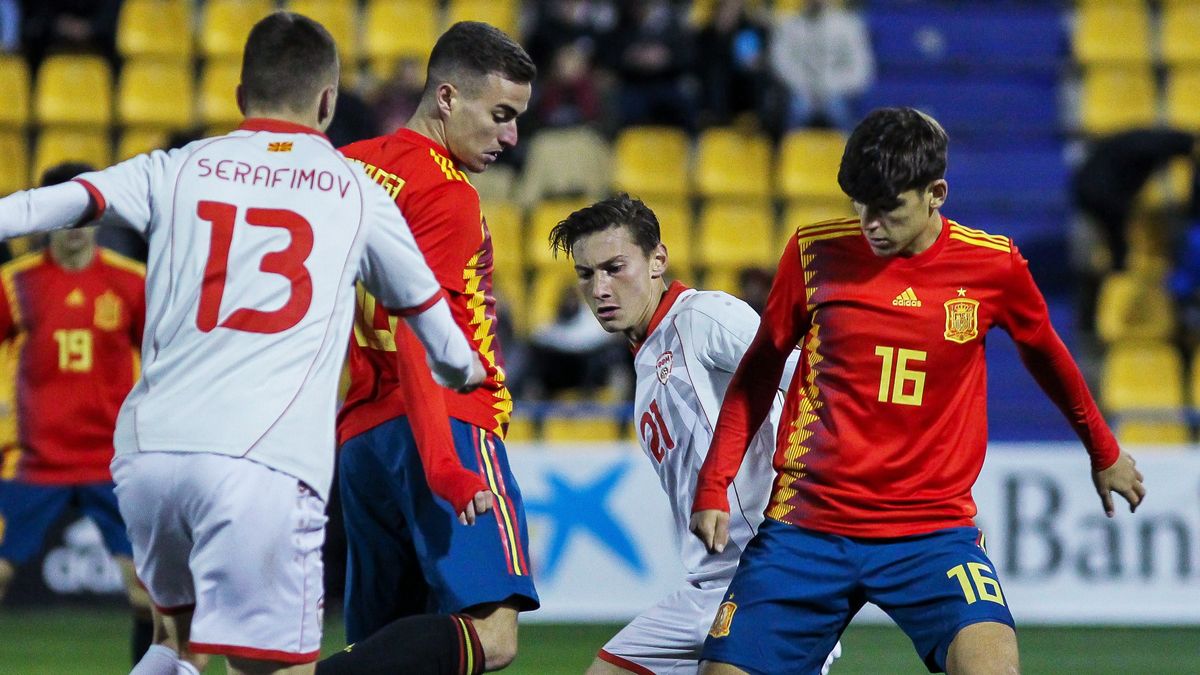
256	239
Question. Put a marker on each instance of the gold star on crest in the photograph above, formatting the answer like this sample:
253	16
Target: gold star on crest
962	292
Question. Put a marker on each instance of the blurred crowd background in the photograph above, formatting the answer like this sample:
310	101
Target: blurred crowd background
1071	123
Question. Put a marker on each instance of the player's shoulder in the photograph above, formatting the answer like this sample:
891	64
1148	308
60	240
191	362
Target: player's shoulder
979	242
22	263
832	230
715	307
112	259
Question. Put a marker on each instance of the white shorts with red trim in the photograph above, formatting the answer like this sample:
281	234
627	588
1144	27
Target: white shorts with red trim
234	541
667	638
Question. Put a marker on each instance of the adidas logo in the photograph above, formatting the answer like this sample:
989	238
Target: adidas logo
907	299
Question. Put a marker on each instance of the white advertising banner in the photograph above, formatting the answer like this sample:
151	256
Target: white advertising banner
603	546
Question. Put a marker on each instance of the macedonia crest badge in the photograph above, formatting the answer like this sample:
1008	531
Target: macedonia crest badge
663	367
962	320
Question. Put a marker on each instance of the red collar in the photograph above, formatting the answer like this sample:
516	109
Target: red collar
276	126
664	306
421	139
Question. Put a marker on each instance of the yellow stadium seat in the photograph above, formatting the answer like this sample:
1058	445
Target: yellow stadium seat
56	146
565	163
1180	26
74	90
155	28
1182	99
217	105
155	94
1142	376
495	184
1171	429
560	429
226	24
808	165
677	232
732	236
731	164
1131	307
340	18
512	297
1112	32
651	162
1117	98
140	141
545	292
14	91
520	430
542	219
14	170
505	223
502	14
384	41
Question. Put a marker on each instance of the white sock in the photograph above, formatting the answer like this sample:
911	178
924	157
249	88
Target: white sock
158	660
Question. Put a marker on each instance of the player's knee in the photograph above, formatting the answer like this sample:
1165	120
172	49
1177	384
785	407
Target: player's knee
987	648
497	631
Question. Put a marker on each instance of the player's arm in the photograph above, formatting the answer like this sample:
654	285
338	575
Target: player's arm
44	209
1027	319
747	402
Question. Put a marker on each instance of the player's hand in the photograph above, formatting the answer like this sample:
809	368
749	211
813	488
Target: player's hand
1122	478
478	375
712	526
481	504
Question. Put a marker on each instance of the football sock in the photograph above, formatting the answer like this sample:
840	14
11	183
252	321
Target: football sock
158	660
141	638
430	644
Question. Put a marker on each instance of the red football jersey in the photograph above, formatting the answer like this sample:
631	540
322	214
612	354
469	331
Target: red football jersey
884	429
78	333
442	209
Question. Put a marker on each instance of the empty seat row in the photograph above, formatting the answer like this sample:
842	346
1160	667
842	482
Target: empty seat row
1125	33
1115	98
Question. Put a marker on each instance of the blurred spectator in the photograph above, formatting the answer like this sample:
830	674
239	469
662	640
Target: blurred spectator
731	63
573	352
650	53
10	25
353	120
823	56
754	284
69	25
579	23
568	96
398	96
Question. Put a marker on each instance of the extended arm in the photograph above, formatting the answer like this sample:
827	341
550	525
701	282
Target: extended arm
44	209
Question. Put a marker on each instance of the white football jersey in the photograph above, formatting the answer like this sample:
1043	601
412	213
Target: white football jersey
683	368
255	240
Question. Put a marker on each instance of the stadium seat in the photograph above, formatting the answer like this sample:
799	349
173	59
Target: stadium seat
732	165
226	24
589	429
55	146
1182	98
505	223
965	103
217	106
542	219
14	91
651	162
139	141
1112	33
545	292
155	28
340	18
14	170
1142	376
384	44
1169	429
567	162
155	94
808	165
677	230
1169	187
512	298
502	14
732	236
520	430
1117	98
1009	179
1132	307
495	184
1180	26
65	82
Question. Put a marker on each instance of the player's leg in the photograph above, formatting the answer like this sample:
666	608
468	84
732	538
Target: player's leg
942	590
665	639
26	514
99	503
793	594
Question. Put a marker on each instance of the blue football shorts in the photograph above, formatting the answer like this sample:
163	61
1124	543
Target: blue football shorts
407	552
28	511
796	590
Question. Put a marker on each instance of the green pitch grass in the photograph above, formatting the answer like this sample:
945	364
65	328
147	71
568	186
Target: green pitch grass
57	642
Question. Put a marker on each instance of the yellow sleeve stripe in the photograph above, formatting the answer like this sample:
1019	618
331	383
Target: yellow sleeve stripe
828	223
978	234
8	273
832	234
114	259
981	242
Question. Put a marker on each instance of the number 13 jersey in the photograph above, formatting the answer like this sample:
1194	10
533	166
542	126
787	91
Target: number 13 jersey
256	239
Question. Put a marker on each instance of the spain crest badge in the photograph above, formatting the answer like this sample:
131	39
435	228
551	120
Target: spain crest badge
108	311
962	320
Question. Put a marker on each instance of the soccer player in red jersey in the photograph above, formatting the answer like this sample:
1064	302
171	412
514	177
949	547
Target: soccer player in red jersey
407	554
75	312
884	427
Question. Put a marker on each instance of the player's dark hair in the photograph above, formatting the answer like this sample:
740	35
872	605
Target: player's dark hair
288	60
470	51
891	151
620	211
61	173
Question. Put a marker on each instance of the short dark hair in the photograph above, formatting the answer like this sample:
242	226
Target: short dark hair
891	151
471	50
620	211
61	173
288	60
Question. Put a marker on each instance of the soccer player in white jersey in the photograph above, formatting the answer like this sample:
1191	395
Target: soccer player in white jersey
687	344
224	449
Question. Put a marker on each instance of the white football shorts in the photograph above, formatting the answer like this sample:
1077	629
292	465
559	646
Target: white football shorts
232	540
